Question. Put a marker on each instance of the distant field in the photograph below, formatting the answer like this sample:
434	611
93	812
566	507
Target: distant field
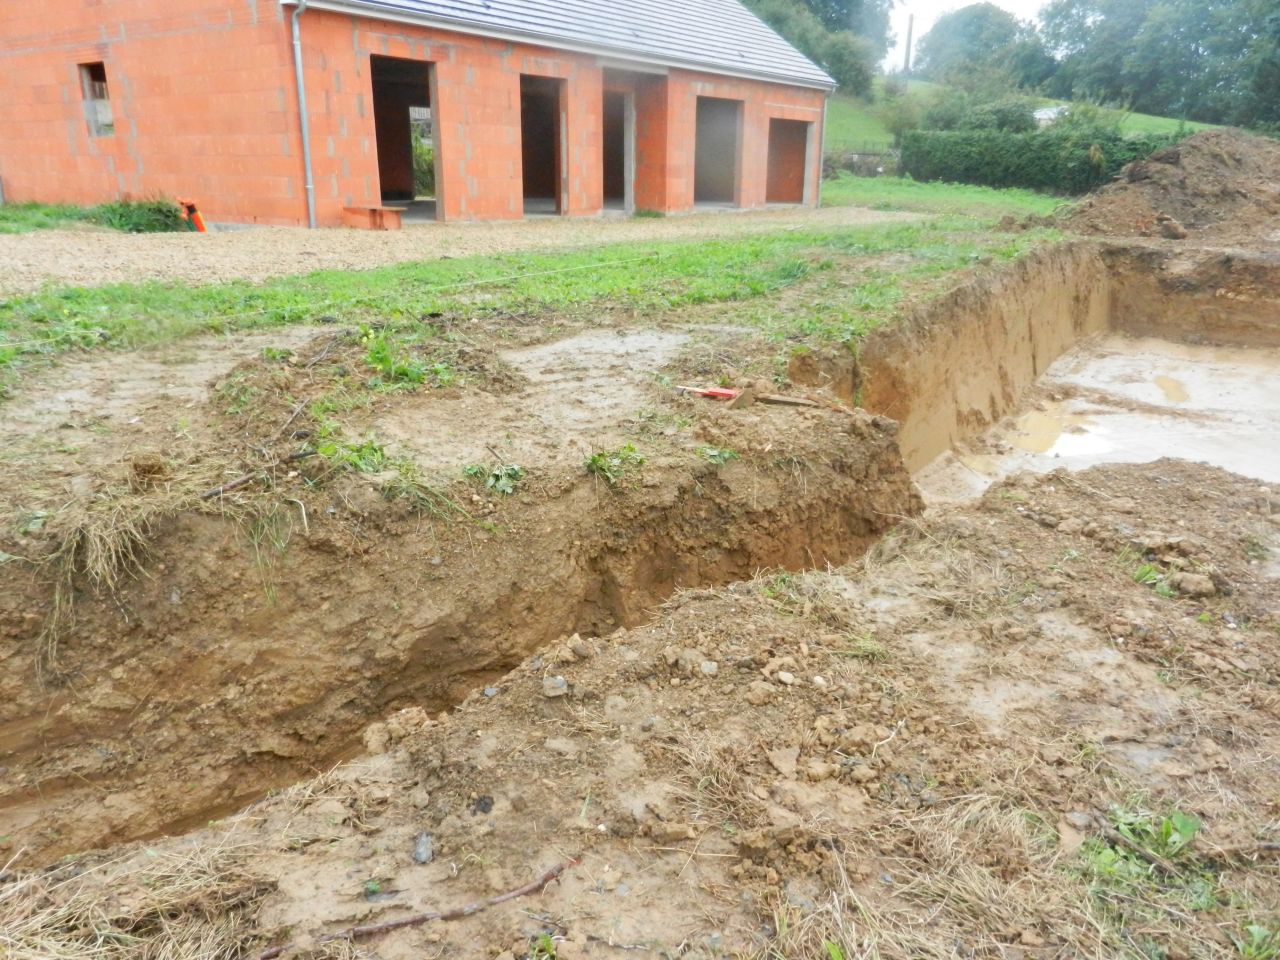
854	124
891	193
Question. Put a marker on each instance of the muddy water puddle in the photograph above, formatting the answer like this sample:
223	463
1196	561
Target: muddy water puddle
1121	400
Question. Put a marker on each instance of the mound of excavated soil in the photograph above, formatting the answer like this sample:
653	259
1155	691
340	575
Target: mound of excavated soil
1220	184
924	754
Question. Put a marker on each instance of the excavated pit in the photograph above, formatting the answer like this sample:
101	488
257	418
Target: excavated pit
192	689
245	659
957	367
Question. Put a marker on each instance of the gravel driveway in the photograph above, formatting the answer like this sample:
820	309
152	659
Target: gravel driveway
85	257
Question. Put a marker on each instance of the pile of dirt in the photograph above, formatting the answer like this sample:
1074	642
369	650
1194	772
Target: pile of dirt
1222	185
1038	726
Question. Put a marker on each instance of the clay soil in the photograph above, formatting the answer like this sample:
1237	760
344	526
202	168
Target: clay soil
923	754
287	673
1223	186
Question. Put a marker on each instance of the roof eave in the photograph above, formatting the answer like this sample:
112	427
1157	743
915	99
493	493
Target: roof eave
375	12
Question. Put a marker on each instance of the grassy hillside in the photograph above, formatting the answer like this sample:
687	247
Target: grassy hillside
853	124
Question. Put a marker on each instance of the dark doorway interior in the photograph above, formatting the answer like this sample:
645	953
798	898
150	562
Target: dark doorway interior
541	108
401	114
615	147
788	161
717	146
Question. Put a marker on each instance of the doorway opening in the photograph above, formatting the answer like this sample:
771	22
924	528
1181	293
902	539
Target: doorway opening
405	135
541	151
788	171
619	151
717	147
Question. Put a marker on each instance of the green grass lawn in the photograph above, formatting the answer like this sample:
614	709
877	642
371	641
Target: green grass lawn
648	278
854	124
1146	123
25	217
132	216
892	193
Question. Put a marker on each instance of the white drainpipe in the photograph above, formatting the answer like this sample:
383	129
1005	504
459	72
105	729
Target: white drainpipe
303	121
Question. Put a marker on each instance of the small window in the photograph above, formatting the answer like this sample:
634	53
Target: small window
97	103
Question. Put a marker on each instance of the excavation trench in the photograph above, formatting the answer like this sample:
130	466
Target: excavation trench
213	677
210	679
1093	318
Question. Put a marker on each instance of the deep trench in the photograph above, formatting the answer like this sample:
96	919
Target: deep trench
951	369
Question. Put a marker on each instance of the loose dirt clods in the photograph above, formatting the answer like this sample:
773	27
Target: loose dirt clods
489	643
943	741
1220	186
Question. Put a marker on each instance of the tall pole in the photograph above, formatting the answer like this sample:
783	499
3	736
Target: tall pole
906	63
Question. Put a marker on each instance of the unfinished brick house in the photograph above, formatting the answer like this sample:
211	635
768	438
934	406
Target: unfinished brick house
568	107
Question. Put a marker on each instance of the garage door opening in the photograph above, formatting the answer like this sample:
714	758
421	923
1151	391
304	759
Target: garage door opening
405	135
541	152
717	147
619	152
788	161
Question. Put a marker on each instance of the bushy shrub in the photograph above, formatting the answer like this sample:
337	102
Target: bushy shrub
138	216
900	116
424	168
1057	160
960	110
1011	114
947	111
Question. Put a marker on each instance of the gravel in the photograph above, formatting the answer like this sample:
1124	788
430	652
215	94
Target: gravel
91	256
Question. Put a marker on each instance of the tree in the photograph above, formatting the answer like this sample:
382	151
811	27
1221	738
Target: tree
1211	60
849	59
982	36
868	19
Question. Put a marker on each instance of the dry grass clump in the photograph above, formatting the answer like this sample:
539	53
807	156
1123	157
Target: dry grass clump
194	904
944	569
712	786
972	879
102	540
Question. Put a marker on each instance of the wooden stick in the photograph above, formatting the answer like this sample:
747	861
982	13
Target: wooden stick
786	401
248	478
1242	851
457	913
1119	839
829	404
292	417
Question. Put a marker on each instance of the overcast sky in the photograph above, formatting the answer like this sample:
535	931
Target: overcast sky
927	11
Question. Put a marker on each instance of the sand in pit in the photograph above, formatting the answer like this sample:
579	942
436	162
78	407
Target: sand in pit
1121	400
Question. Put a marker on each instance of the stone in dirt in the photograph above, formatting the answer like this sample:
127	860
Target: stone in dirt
1193	584
784	760
424	848
555	686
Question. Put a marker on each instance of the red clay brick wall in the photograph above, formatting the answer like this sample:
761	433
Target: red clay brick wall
203	96
477	116
761	101
201	93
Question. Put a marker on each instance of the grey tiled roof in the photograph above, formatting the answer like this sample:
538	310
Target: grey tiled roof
719	36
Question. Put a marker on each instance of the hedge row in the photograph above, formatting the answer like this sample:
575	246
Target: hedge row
1058	161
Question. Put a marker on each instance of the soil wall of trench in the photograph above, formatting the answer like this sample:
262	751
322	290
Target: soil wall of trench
211	678
956	365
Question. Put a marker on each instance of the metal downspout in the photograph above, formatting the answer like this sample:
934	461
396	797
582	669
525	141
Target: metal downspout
822	150
303	120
